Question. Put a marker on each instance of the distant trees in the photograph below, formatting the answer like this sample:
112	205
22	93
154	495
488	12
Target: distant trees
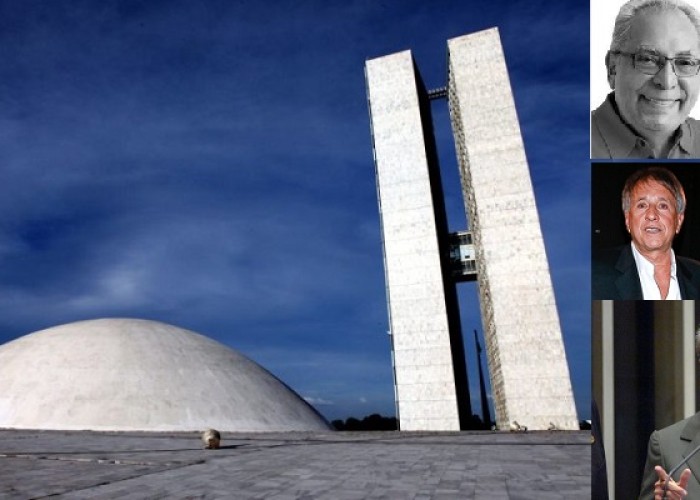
475	423
374	422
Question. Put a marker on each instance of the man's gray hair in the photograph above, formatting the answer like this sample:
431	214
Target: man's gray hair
661	175
624	18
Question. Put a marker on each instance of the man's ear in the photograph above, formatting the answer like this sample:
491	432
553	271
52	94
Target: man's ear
681	218
610	63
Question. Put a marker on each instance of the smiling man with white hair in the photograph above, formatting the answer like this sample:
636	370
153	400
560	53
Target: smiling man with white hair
652	67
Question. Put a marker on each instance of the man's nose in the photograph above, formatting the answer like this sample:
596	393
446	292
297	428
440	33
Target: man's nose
666	76
651	214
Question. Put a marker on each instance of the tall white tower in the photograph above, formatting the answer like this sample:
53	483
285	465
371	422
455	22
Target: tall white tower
504	250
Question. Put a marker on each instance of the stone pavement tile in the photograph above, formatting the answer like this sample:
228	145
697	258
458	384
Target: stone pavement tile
305	465
29	478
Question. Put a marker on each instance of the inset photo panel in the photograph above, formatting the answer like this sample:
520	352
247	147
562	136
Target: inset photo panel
644	79
645	395
645	222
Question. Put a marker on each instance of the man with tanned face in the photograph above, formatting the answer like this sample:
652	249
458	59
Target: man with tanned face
653	66
653	202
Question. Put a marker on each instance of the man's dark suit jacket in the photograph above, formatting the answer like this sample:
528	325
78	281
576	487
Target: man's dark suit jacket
667	448
615	276
599	469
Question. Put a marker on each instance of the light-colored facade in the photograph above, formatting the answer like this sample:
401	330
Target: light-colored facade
414	230
527	364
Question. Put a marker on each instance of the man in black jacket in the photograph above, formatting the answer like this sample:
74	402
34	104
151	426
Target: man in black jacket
653	202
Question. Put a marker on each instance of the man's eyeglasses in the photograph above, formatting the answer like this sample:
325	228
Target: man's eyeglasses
650	63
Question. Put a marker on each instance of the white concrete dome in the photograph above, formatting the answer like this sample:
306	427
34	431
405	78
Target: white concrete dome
128	374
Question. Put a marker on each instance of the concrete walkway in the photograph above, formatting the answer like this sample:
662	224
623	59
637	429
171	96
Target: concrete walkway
338	466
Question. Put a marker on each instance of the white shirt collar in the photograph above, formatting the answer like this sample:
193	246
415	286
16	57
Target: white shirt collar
650	289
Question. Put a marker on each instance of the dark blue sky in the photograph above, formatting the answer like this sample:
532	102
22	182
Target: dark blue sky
209	164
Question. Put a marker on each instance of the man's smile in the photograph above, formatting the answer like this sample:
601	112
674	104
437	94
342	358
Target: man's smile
661	102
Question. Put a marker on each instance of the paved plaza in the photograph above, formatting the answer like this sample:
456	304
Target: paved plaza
329	465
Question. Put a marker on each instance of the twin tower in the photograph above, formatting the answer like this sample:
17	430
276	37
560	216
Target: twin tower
503	249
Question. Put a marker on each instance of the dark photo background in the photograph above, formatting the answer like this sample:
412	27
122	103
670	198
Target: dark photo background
608	221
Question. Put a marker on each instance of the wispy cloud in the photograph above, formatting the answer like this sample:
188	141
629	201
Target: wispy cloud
318	401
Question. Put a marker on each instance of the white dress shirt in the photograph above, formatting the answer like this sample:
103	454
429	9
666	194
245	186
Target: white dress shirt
650	290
